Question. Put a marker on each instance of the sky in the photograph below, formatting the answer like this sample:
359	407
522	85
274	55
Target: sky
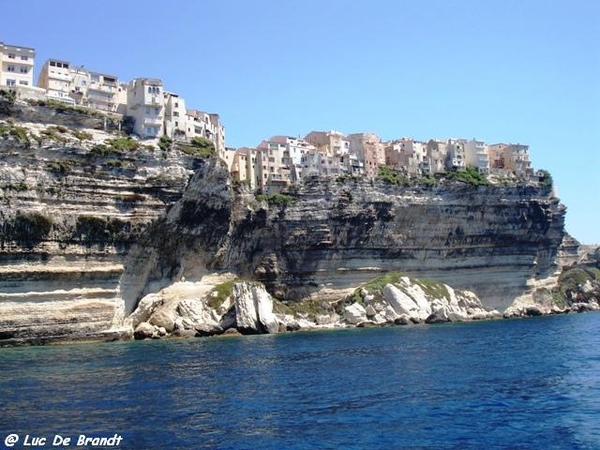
513	71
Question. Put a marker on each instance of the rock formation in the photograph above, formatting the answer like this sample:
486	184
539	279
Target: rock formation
100	232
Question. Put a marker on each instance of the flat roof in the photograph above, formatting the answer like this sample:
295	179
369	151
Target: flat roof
16	47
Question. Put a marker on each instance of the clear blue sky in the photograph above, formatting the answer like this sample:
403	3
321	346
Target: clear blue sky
500	70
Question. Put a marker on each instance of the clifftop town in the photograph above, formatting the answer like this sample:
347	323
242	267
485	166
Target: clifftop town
144	108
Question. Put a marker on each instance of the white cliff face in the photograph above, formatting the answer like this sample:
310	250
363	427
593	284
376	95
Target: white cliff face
254	309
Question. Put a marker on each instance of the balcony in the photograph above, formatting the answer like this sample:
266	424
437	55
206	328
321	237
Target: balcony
154	100
59	76
153	120
103	87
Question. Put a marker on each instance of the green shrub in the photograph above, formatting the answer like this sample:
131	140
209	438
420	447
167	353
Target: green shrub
123	144
276	199
82	135
391	176
16	132
102	150
20	186
7	95
198	146
55	133
98	230
29	228
164	143
546	180
469	175
61	167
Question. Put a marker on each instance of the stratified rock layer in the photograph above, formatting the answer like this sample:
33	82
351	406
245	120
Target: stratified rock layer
332	237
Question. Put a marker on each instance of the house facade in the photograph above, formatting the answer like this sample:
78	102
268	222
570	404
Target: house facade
17	65
146	105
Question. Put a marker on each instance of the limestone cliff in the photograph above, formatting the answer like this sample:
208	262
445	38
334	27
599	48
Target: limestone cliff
326	237
92	222
73	200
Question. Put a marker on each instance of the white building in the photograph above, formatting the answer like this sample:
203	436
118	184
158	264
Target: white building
17	65
175	116
57	79
146	105
476	155
102	92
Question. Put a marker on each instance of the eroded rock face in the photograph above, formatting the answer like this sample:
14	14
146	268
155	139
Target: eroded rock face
321	244
70	212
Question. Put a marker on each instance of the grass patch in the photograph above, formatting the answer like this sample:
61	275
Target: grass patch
16	132
308	308
220	293
82	135
432	288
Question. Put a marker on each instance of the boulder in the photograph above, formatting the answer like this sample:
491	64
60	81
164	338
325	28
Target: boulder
370	311
145	330
198	317
355	314
401	302
254	309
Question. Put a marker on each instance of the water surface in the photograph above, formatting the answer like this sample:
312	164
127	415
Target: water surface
518	384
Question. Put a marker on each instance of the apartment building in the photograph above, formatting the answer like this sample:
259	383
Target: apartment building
455	151
369	148
175	116
408	155
476	155
56	77
206	125
17	65
329	142
146	105
76	85
103	92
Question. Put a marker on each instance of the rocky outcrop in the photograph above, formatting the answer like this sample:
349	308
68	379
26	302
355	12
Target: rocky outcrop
401	300
254	309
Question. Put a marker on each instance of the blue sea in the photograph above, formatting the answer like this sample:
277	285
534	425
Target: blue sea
508	384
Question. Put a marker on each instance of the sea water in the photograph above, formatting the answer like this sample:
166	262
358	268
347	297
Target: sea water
513	384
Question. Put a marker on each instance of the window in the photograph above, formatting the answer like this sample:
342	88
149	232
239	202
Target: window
11	56
24	83
10	82
10	69
23	69
176	105
24	58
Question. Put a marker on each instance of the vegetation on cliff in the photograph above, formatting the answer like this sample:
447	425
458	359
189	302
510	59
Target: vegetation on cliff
577	285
